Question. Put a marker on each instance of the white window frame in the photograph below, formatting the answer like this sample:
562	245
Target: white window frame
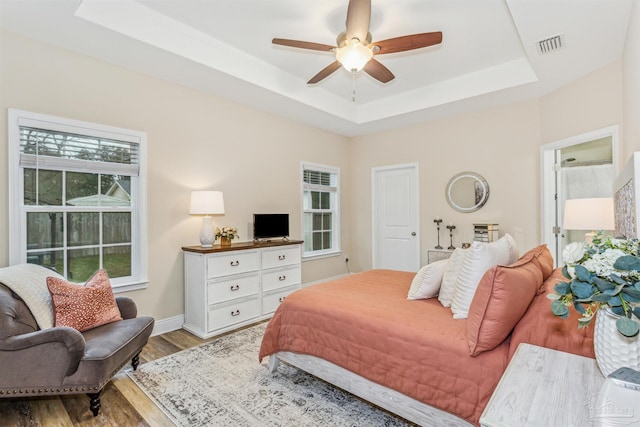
18	211
335	209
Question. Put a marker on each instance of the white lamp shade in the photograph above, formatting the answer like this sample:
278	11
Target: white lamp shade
589	214
354	57
206	203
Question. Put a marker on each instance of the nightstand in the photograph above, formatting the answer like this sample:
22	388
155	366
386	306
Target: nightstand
546	388
434	255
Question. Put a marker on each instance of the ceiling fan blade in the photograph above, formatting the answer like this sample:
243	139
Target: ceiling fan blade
378	71
358	19
403	43
303	45
325	72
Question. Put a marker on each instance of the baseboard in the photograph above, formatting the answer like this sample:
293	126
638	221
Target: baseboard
169	324
174	323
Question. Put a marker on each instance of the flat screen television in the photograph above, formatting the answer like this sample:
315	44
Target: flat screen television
267	226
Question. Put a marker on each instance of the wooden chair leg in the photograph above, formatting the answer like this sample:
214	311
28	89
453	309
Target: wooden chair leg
94	402
135	361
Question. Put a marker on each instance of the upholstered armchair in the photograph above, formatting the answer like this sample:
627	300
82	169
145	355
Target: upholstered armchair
61	360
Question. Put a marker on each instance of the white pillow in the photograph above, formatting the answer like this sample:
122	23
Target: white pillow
480	258
426	282
448	286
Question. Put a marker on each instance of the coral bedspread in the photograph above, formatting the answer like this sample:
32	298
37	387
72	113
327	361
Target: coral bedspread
364	323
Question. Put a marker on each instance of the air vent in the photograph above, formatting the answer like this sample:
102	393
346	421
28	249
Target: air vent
550	44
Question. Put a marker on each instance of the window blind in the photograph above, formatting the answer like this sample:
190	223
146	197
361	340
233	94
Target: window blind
59	150
313	178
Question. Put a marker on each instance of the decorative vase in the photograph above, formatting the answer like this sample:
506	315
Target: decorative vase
224	241
612	349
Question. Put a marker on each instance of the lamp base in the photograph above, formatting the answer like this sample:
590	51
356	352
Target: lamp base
588	237
207	233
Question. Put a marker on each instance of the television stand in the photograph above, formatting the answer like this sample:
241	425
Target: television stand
227	287
283	239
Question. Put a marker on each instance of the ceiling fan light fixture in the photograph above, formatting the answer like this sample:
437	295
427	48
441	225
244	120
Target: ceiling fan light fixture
354	56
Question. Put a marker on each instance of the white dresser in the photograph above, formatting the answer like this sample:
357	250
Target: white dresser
230	286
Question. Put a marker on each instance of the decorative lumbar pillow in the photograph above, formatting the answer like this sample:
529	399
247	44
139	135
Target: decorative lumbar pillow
480	258
426	282
503	296
543	256
85	306
448	285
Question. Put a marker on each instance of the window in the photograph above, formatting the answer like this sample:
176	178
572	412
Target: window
320	210
77	198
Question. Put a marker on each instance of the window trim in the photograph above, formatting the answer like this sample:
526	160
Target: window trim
17	216
335	230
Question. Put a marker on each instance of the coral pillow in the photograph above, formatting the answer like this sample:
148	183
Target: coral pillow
448	285
85	306
502	298
543	256
540	327
426	282
480	258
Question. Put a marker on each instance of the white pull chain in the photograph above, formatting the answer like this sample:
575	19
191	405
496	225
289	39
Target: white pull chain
353	93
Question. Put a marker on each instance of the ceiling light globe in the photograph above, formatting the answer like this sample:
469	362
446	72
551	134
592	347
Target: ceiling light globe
354	57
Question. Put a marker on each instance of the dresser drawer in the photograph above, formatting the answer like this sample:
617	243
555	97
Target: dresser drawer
228	314
233	287
271	302
278	257
280	278
232	263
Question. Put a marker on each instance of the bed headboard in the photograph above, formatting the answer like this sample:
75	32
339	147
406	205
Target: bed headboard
626	194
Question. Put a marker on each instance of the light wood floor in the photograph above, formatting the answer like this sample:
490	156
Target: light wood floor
123	403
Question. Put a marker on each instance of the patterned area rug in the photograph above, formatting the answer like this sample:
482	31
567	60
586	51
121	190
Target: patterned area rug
221	383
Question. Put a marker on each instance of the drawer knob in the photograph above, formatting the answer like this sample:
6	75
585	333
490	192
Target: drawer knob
235	263
235	313
282	278
281	257
235	287
281	299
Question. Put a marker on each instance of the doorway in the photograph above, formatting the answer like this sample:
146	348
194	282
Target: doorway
395	217
580	167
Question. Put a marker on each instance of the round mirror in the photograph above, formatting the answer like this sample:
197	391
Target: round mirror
467	192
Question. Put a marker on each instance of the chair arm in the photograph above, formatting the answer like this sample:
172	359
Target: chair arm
60	346
127	307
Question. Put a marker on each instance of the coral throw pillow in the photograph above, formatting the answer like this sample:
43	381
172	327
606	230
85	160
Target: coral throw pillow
544	258
502	298
85	306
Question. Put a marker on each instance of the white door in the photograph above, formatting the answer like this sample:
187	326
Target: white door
396	239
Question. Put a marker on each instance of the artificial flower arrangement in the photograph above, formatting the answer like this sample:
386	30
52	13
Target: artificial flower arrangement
603	274
227	232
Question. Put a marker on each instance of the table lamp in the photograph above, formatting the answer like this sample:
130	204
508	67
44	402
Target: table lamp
589	214
207	203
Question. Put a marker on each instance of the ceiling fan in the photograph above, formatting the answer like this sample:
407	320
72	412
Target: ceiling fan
355	49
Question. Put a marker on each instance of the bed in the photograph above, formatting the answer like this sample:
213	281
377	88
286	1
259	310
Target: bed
409	357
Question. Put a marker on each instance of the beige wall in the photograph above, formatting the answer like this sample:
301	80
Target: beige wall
501	144
195	141
590	103
631	78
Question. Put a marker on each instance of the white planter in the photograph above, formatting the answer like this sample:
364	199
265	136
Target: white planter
613	350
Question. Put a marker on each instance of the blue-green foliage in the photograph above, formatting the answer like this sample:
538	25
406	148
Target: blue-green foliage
586	291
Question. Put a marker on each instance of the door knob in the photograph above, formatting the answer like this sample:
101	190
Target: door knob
413	234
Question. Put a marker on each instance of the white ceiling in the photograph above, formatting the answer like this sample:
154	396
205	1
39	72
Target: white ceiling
488	55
